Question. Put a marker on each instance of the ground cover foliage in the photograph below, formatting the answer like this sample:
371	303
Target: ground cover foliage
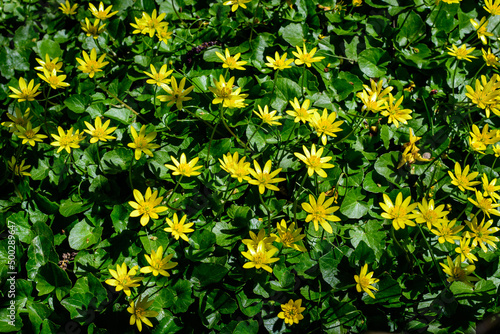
249	166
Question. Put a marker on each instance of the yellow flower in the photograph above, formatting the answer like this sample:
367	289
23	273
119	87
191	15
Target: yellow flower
18	169
124	279
320	211
146	206
26	92
65	141
101	13
140	312
29	135
158	264
399	212
304	57
288	236
450	1
163	34
446	231
462	52
429	214
149	24
236	3
457	273
223	92
230	61
465	251
48	64
179	228
268	117
463	180
255	239
365	280
485	204
238	169
492	6
259	257
489	58
485	92
183	167
371	102
177	93
496	150
142	142
99	132
279	63
158	78
376	88
357	3
67	8
481	233
291	312
55	81
325	124
490	188
314	161
394	112
90	64
92	29
481	29
18	119
301	113
264	178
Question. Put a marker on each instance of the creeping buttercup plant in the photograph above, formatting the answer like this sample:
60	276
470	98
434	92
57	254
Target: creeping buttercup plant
249	166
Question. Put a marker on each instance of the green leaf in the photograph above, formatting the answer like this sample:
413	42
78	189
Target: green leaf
328	265
388	292
37	313
40	252
122	115
49	47
49	278
182	296
373	61
119	217
369	233
386	166
412	28
117	161
23	228
69	207
247	327
293	34
374	183
353	205
77	103
208	273
82	235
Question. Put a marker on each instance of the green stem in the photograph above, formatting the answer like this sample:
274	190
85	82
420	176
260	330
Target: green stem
177	13
276	74
210	144
453	79
268	227
289	135
173	191
400	246
303	78
354	128
492	167
154	100
253	134
130	174
432	255
435	19
99	156
297	197
232	133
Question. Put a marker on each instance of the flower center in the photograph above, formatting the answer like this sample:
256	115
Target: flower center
287	238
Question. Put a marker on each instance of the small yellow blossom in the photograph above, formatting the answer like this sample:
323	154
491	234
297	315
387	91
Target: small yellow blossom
462	52
231	62
140	312
124	279
142	142
101	13
179	228
91	65
183	167
291	312
365	280
146	206
279	63
25	92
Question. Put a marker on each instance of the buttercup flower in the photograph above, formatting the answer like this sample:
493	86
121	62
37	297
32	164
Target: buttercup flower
264	178
463	180
288	236
236	3
29	134
18	119
365	280
268	117
314	161
489	58
490	188
429	214
92	29
238	169
67	8
158	78
146	206
480	234
48	64
399	212
183	167
158	264
163	34
149	24
55	81
492	6
90	64
325	124
231	62
481	29
395	112
304	57
320	211
462	52
255	239
124	279
260	257
485	204
142	142
177	94
301	113
224	93
101	13
447	231
291	312
371	102
99	132
465	251
179	228
279	63
65	141
140	312
26	92
18	169
456	273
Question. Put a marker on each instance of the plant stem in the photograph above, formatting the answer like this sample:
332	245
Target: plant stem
231	132
173	191
303	78
210	143
297	197
432	255
268	213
